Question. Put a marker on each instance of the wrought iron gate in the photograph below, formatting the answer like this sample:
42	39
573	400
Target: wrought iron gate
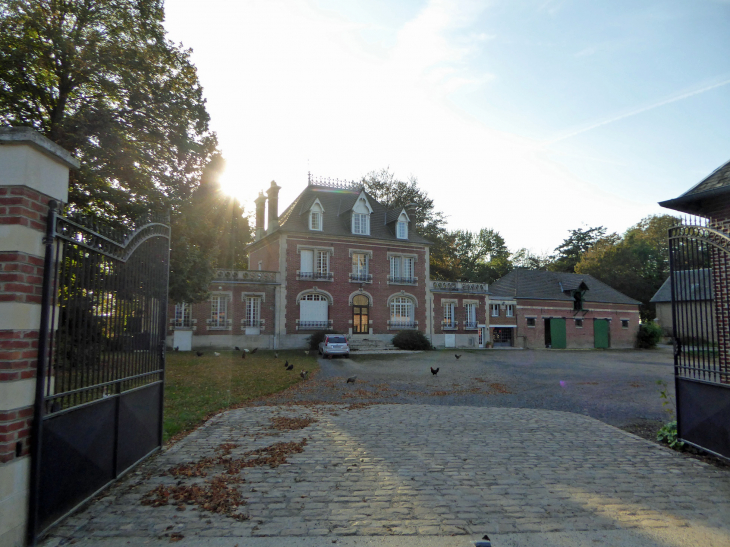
700	271
101	361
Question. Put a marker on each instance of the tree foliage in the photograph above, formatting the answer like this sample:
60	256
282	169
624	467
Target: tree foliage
636	263
570	251
471	256
99	78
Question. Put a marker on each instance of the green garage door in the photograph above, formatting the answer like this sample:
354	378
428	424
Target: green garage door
557	333
600	333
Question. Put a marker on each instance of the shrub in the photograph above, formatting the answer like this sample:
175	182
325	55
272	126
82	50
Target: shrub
649	335
411	339
316	338
668	434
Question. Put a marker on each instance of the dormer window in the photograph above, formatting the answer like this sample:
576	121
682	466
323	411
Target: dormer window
401	227
315	216
361	223
402	230
361	216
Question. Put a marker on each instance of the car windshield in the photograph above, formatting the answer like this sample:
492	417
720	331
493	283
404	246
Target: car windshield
336	340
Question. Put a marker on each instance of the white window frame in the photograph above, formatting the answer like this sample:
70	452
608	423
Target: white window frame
402	229
183	316
253	311
401	309
470	314
449	315
218	317
404	268
321	261
494	309
510	310
315	221
361	224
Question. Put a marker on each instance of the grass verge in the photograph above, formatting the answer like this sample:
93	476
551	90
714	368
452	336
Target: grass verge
196	387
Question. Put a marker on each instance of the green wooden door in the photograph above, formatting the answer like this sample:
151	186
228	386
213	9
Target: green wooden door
557	333
600	333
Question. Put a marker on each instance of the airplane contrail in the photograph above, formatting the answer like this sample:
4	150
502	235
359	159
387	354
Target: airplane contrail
633	113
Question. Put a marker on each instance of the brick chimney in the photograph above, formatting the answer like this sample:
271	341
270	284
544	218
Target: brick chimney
411	212
273	193
260	210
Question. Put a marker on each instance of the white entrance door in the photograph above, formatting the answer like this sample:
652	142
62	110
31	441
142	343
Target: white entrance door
482	335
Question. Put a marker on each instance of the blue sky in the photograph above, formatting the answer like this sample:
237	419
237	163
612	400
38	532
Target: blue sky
529	117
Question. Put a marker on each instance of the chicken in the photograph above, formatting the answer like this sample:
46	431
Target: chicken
243	355
290	367
306	352
435	371
304	374
216	354
351	380
176	348
286	363
199	353
276	355
457	356
237	348
254	350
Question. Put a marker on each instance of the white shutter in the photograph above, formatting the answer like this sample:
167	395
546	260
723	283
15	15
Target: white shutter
307	261
313	310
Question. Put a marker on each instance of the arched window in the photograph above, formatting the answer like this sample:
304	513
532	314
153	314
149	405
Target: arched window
313	311
401	312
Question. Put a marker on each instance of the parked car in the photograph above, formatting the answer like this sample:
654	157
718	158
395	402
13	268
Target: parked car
334	344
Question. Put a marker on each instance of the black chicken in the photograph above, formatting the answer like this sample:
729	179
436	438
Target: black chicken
286	363
457	356
243	355
290	367
254	350
435	371
199	353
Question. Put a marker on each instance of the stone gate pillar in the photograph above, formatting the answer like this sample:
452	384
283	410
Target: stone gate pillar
33	170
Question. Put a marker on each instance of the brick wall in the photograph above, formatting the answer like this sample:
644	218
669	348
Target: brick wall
577	336
341	288
23	206
267	254
460	299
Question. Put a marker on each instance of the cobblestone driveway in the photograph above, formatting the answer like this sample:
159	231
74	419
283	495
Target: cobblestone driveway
387	470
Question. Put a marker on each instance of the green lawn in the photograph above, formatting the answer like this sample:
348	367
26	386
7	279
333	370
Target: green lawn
196	387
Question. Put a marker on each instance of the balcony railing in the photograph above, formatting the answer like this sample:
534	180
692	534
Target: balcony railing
317	276
183	323
392	324
459	286
361	278
470	324
314	325
402	280
449	325
254	323
246	276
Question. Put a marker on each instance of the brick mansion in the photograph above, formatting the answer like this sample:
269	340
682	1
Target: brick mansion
336	259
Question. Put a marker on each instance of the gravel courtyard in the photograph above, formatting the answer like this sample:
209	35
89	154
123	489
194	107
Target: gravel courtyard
454	461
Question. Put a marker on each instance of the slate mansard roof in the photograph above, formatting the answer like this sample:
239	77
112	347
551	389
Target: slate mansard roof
693	285
697	198
541	285
338	204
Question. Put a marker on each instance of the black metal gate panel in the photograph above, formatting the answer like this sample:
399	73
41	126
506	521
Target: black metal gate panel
700	266
101	360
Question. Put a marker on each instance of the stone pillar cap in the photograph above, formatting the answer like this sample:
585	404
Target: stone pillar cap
31	137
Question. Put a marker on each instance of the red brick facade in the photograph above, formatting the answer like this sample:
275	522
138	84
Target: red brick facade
623	323
21	277
341	289
23	206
